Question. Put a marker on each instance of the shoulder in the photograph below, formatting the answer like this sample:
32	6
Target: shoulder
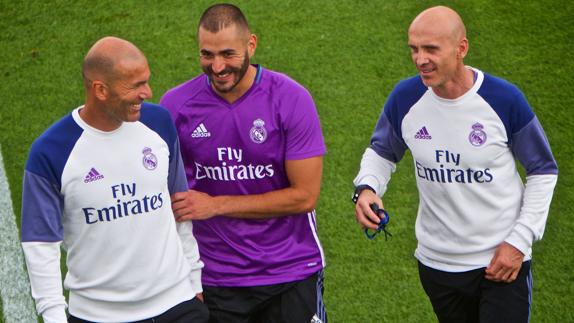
403	97
177	96
508	102
281	84
153	113
158	119
409	91
50	151
496	88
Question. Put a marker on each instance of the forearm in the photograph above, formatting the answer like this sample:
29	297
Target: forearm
300	196
268	205
43	263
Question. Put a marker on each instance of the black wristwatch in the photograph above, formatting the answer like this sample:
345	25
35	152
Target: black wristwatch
358	191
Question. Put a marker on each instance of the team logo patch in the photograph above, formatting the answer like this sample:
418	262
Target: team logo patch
258	133
149	160
477	136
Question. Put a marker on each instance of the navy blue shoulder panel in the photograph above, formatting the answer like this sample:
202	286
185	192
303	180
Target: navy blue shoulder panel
49	152
158	119
405	94
508	102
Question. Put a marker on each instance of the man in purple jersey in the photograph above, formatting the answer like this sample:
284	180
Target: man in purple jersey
252	148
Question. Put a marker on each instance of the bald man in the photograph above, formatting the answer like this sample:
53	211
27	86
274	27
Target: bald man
476	220
98	183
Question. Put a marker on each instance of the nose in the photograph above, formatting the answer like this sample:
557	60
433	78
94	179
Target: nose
146	92
420	58
218	64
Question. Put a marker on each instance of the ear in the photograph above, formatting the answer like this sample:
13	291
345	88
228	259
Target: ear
462	49
252	45
100	90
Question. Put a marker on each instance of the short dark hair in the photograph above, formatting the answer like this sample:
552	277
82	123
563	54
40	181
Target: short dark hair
97	64
220	16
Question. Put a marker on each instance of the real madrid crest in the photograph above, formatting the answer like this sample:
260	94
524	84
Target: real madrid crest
149	160
477	136
258	133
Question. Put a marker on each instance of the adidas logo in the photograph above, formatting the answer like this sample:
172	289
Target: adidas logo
423	134
200	132
93	175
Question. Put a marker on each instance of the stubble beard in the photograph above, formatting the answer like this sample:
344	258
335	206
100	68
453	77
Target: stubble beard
239	72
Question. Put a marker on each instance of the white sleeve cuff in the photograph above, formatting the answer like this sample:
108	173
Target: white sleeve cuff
55	314
191	251
43	264
521	238
195	278
375	171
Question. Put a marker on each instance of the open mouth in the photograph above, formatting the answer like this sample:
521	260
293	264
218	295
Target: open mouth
222	76
136	107
426	71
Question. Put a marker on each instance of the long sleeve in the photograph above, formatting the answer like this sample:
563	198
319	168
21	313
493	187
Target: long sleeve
43	263
191	251
42	236
375	171
532	149
387	146
177	182
534	211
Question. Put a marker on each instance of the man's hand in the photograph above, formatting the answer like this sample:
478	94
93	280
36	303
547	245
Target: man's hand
505	264
365	216
193	205
199	297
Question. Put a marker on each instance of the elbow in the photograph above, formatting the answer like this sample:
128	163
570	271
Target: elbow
308	204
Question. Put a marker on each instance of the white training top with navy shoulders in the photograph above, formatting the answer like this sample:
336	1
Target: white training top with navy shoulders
470	192
106	197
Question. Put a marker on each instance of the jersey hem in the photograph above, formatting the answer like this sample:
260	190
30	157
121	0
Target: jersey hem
129	310
243	282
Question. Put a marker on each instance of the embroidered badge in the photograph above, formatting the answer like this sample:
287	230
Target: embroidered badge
258	133
149	160
477	136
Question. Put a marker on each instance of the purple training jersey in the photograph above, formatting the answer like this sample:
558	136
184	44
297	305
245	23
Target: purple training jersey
240	149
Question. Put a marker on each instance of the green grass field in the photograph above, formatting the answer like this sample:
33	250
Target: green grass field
349	54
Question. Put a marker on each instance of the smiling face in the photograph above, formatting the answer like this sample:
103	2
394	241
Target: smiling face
127	91
438	46
116	76
225	59
434	56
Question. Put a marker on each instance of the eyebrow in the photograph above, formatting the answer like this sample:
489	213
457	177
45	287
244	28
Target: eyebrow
224	51
140	83
426	46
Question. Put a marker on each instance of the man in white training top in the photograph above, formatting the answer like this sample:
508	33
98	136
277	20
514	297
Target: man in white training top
98	182
476	220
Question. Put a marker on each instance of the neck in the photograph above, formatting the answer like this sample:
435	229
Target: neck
462	81
242	87
92	116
